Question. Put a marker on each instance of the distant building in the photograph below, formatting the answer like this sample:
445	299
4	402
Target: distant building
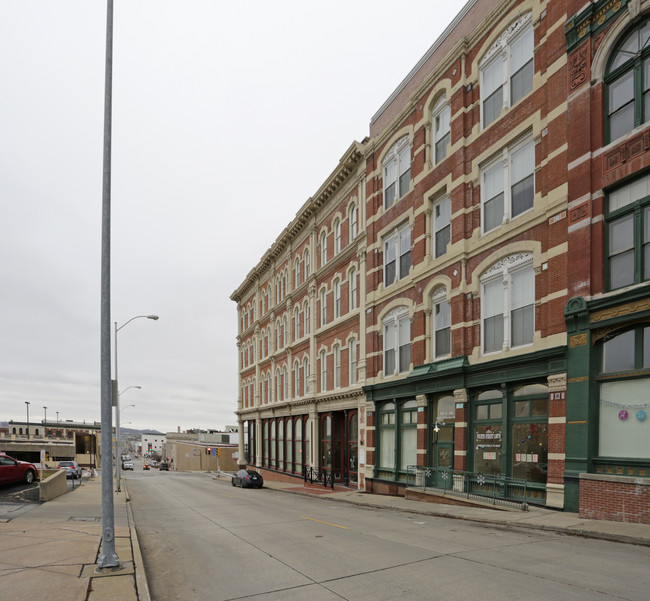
153	443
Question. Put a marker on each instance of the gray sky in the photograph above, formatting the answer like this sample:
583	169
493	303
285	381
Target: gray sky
227	117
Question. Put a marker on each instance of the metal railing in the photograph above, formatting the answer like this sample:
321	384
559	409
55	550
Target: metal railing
493	488
313	474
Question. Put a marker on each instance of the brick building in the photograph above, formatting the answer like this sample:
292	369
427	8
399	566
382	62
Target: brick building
500	202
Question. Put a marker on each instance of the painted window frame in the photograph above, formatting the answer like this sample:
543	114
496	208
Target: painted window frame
505	287
627	234
441	217
504	82
396	172
441	326
397	254
396	330
516	160
441	126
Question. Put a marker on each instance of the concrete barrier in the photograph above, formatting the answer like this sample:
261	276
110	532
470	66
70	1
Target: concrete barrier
53	486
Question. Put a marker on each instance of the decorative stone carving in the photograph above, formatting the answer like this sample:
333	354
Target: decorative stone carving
578	67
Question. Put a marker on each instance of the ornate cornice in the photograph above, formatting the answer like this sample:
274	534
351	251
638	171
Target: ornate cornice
592	19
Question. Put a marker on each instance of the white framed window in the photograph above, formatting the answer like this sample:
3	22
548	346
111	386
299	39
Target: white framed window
397	341
305	312
306	260
507	69
352	356
296	323
441	226
508	185
441	117
285	331
323	248
337	237
353	218
296	379
296	271
397	255
278	385
305	374
323	371
397	171
323	307
278	334
337	298
508	303
285	383
352	279
337	366
441	324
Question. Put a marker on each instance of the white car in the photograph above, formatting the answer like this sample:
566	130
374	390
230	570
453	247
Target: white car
127	465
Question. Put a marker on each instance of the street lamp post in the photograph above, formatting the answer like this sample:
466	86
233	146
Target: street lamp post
45	420
118	411
27	403
117	400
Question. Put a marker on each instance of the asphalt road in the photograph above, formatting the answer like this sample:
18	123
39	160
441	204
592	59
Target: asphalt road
202	539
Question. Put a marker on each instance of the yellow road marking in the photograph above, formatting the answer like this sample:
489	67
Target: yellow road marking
321	522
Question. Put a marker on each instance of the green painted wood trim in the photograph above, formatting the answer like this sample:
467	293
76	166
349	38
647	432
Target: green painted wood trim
591	20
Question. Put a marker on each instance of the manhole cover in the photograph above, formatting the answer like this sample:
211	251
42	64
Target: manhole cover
81	518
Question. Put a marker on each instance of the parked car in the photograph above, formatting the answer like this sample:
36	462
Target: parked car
13	471
164	466
72	468
247	479
127	465
146	466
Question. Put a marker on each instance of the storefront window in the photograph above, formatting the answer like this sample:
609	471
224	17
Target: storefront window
297	445
408	434
386	430
624	429
353	447
281	444
289	444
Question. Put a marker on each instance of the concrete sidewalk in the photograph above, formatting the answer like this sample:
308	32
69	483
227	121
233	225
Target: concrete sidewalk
537	518
51	551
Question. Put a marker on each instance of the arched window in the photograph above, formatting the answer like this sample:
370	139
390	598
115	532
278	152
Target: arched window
323	371
306	260
507	69
323	307
441	312
352	287
296	271
305	374
337	366
397	171
353	218
352	357
296	379
305	312
508	303
296	323
627	80
337	298
441	118
337	237
323	248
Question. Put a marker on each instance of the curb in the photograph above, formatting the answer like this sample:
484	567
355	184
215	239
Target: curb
141	584
615	538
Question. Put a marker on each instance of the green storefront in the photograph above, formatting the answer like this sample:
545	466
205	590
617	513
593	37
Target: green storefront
490	418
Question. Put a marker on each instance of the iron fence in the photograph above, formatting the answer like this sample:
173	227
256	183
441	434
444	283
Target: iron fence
493	488
313	474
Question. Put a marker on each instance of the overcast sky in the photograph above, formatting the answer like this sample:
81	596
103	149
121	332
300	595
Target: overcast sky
227	117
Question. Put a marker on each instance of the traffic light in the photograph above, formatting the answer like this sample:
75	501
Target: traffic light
218	451
208	450
47	455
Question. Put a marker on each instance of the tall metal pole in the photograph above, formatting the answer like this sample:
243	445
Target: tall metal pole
108	557
116	399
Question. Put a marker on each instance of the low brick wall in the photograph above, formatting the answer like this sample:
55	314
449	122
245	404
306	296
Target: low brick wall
615	498
54	486
381	487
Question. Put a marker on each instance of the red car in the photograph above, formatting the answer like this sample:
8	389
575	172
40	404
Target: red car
12	470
